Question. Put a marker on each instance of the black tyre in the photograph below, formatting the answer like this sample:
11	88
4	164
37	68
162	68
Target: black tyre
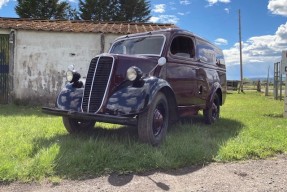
76	126
153	123
211	114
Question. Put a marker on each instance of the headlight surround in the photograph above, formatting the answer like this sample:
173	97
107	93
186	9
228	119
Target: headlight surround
69	76
134	73
73	76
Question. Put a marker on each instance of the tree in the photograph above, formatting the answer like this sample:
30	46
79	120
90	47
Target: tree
97	10
115	10
134	11
45	9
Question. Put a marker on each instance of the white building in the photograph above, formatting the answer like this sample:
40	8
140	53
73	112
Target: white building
35	54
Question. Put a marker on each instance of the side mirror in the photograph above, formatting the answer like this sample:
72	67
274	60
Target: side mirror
161	61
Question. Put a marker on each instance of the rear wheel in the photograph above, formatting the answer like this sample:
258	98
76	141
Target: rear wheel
76	125
211	114
153	123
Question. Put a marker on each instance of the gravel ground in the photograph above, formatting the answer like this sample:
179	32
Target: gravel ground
255	175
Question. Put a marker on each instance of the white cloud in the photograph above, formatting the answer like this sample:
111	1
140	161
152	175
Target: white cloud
259	49
3	2
278	7
226	10
182	14
221	41
212	2
159	8
164	19
154	19
281	33
184	2
255	61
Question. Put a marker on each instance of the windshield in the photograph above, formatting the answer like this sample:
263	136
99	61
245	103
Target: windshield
147	45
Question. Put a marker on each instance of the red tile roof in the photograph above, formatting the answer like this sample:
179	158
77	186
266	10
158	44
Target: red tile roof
81	26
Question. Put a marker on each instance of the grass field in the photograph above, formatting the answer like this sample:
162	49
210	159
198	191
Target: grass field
35	146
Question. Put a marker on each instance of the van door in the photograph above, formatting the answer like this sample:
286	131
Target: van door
207	74
181	70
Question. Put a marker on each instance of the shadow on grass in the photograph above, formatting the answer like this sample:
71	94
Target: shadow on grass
190	144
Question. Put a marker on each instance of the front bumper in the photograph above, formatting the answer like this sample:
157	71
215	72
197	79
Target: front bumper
91	116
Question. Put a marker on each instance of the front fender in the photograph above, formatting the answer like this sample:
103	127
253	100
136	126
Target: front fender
70	98
132	100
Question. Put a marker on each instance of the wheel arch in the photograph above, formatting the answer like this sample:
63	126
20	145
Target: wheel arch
216	89
169	94
219	93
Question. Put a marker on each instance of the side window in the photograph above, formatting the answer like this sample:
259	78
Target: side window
220	59
182	46
205	52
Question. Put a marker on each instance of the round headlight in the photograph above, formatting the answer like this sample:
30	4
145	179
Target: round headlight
69	76
132	74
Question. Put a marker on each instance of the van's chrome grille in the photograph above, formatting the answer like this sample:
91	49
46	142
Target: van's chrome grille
97	82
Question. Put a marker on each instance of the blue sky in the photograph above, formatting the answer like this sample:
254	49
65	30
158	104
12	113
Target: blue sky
264	28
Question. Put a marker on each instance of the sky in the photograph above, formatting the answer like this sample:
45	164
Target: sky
263	25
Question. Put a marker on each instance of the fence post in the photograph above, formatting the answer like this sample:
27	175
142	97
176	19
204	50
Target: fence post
285	100
276	80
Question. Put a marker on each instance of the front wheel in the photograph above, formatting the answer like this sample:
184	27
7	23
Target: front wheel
76	125
153	123
211	114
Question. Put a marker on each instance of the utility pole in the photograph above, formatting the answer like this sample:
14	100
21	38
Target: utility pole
240	49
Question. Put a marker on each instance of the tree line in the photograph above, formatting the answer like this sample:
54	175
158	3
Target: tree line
95	10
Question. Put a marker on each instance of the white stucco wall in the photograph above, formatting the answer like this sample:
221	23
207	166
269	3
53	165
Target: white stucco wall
109	39
42	58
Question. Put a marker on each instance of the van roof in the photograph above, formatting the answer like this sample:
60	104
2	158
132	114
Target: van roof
164	31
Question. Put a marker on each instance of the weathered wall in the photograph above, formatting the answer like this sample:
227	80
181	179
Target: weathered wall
42	58
4	31
109	39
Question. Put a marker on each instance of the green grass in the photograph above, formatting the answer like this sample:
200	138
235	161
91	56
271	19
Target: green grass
35	146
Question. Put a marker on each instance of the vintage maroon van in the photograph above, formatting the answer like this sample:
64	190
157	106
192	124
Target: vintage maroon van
147	80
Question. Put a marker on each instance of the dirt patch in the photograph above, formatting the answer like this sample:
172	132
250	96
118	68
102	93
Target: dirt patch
254	175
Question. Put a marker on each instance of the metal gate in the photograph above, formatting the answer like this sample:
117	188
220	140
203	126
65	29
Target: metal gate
4	68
